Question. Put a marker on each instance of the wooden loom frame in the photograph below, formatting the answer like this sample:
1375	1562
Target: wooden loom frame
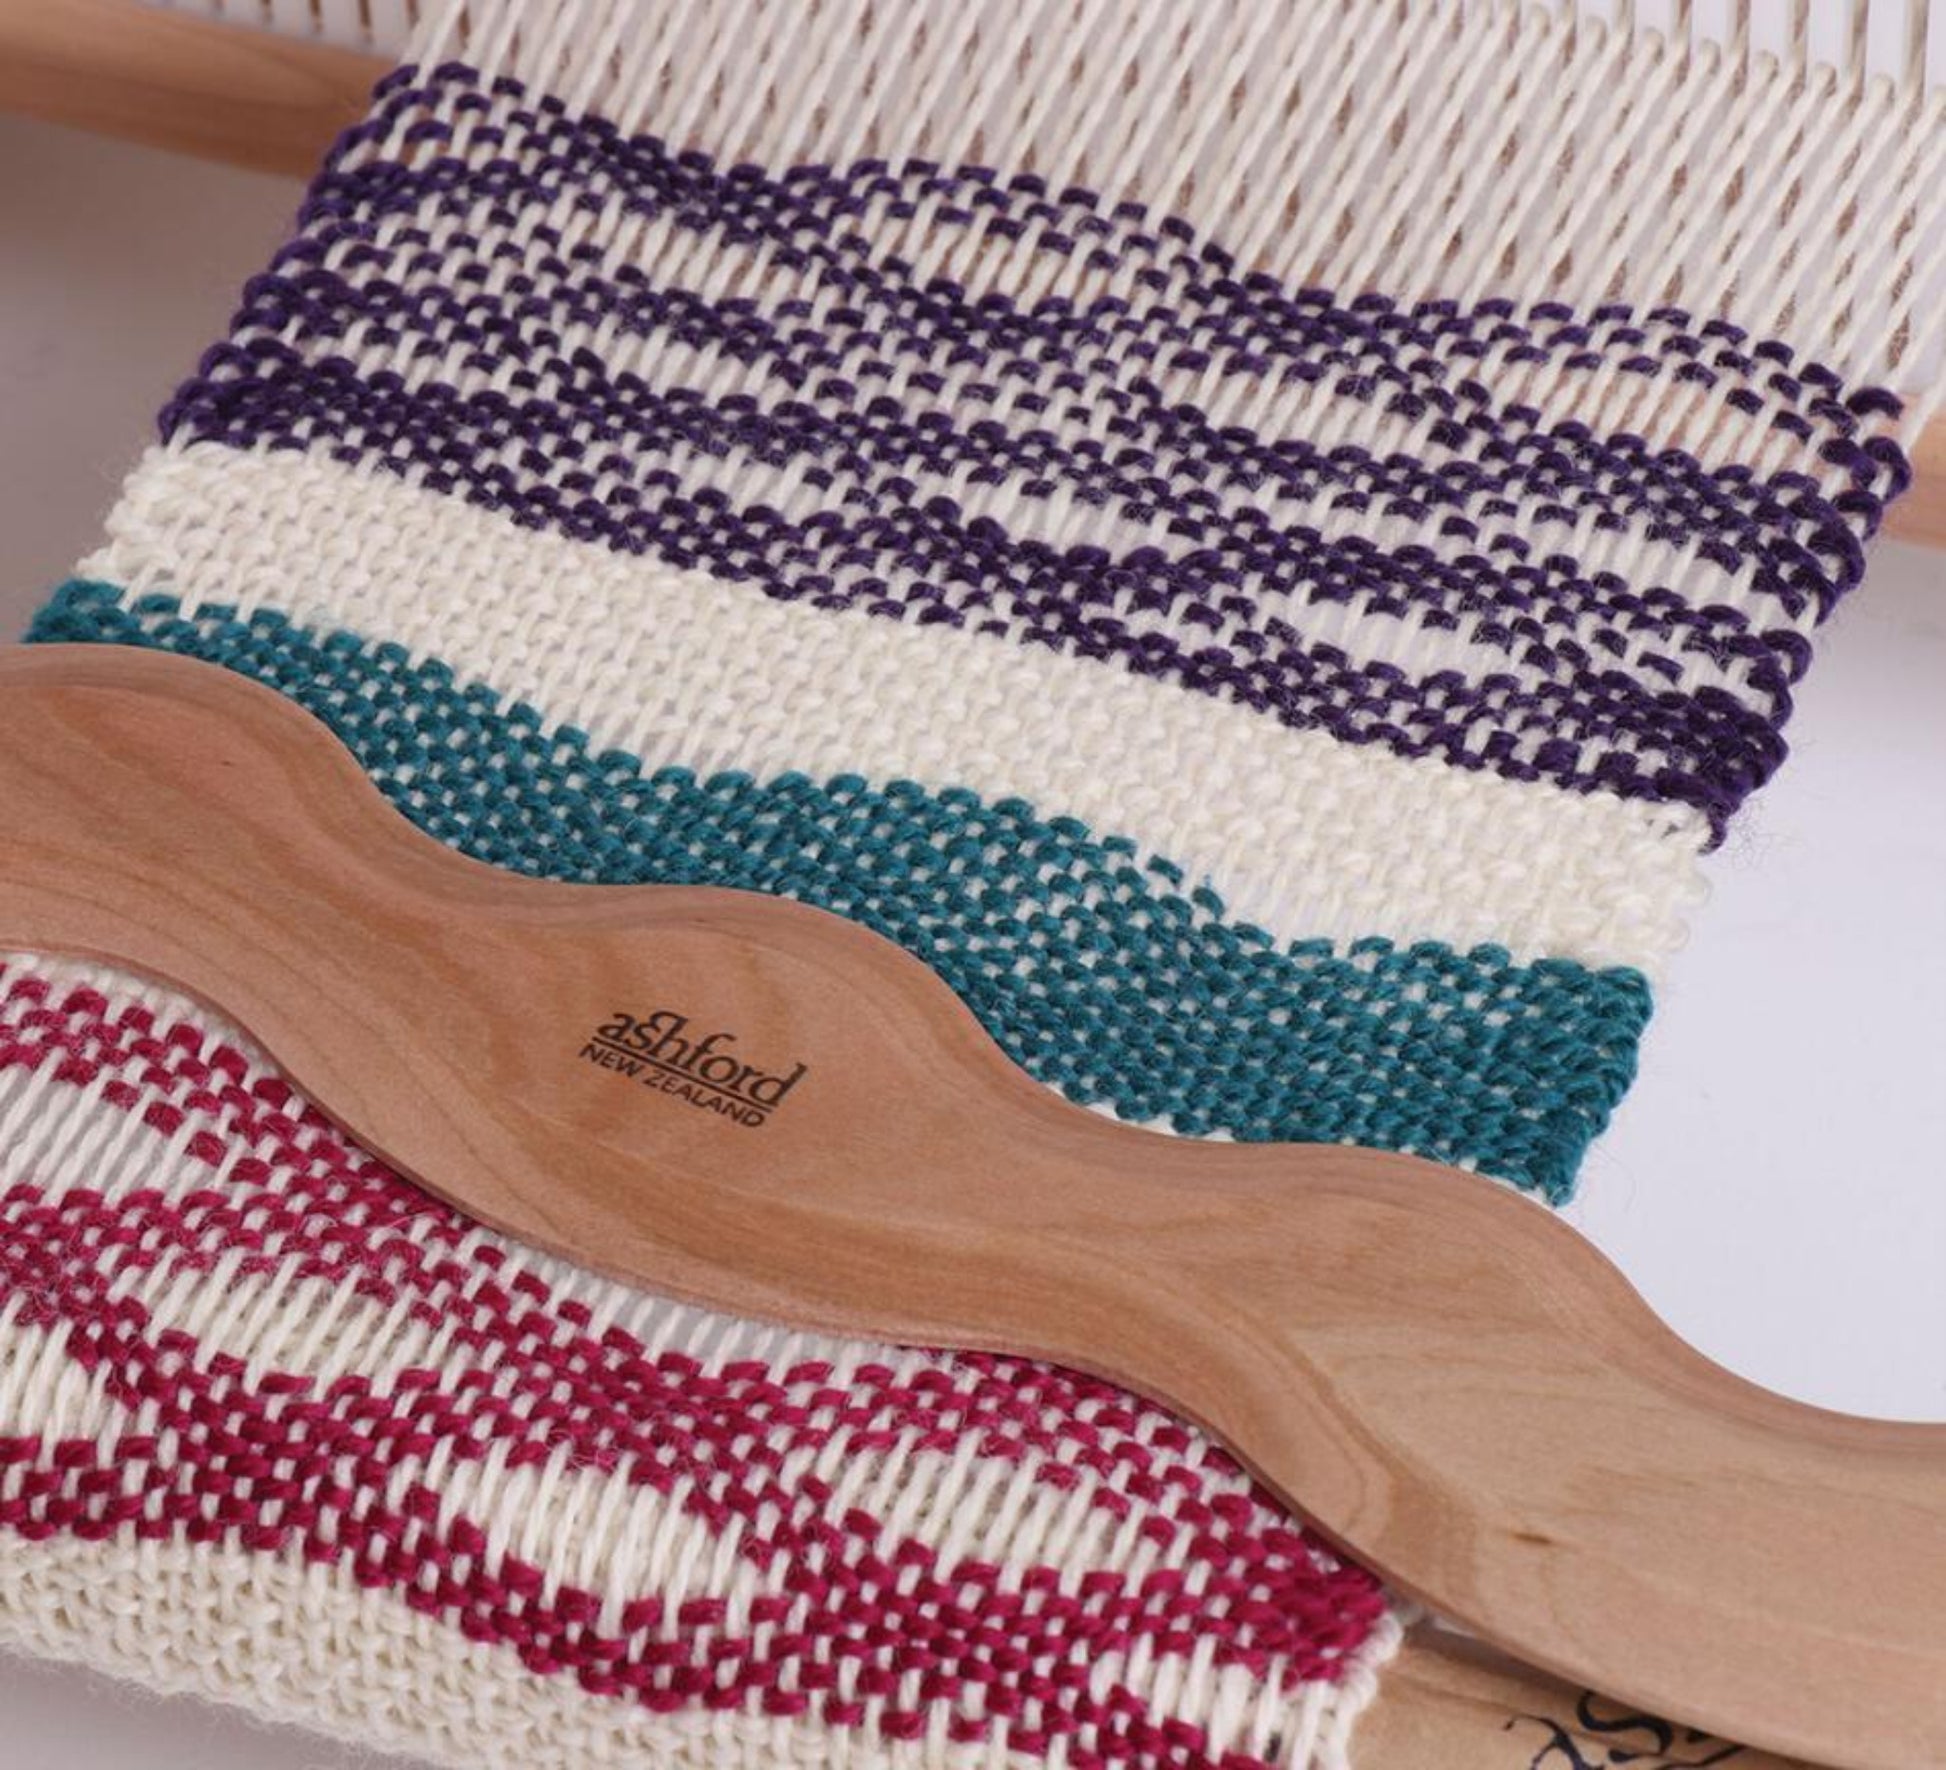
270	103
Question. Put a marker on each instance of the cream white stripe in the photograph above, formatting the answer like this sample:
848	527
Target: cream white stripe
1298	833
305	1645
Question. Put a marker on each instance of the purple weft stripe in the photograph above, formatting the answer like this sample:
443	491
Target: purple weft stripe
1189	312
1707	748
1193	315
868	388
1141	456
1149	459
883	327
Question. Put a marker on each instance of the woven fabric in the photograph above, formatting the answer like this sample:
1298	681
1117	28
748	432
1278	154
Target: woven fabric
781	447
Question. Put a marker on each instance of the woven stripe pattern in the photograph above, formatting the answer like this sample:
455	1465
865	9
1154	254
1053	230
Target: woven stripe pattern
779	447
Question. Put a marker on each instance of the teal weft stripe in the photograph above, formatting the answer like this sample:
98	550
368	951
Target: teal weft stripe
1098	969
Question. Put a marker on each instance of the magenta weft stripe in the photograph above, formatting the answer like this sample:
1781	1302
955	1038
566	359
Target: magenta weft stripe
281	1462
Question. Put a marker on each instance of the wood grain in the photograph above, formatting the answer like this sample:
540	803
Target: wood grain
1920	516
1439	1373
1448	1703
177	81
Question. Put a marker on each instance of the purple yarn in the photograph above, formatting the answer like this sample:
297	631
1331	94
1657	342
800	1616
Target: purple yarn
855	403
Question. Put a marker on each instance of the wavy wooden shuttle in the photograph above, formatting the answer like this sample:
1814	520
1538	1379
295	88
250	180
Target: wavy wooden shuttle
754	1105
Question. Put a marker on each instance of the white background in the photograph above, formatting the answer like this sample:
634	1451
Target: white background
1774	1184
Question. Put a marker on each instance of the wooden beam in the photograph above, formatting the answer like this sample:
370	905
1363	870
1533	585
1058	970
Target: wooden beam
173	80
1447	1703
1920	516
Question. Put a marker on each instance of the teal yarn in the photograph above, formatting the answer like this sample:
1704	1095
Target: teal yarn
1099	969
